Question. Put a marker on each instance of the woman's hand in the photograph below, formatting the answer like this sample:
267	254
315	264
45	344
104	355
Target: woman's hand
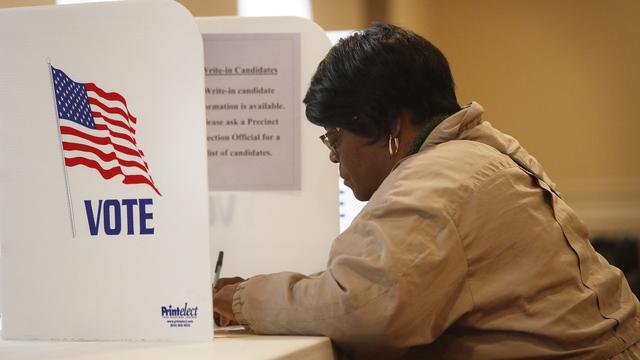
223	293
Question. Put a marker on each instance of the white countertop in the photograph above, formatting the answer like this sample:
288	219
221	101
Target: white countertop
227	344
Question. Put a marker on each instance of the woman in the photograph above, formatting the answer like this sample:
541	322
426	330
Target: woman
465	248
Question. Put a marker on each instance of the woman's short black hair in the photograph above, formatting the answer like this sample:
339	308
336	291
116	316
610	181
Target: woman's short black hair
367	79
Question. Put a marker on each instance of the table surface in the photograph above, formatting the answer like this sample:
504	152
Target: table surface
227	344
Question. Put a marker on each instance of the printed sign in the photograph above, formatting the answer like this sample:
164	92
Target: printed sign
97	131
253	111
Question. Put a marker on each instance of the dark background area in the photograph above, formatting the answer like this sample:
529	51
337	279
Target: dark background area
622	252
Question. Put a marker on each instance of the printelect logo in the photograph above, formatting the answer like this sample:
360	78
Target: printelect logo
179	316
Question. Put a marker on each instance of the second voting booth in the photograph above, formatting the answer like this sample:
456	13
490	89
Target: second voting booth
130	151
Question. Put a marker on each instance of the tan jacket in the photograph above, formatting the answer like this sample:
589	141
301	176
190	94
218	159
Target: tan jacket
465	251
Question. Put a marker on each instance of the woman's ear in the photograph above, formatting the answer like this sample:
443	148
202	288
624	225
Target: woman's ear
399	125
402	120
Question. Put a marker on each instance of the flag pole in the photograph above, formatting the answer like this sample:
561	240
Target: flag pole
64	166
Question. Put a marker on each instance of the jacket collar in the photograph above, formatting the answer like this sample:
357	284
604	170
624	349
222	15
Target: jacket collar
467	124
450	128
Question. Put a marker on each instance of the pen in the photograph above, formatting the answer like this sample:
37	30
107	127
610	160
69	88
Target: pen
216	275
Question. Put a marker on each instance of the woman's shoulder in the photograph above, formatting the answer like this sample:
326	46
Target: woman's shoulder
442	176
457	160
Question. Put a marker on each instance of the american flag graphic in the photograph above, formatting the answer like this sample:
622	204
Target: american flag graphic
98	131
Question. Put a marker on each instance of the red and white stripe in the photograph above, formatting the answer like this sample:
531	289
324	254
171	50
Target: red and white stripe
111	148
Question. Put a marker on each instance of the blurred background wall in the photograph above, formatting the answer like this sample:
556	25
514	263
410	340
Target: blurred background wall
559	75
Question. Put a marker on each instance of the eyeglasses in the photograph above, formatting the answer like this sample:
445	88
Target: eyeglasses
330	139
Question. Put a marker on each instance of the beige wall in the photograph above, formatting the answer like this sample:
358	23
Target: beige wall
562	77
211	7
346	14
20	3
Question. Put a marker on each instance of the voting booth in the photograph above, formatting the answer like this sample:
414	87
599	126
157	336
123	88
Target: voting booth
273	190
103	185
124	166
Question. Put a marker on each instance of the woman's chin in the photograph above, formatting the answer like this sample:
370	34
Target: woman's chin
355	191
358	195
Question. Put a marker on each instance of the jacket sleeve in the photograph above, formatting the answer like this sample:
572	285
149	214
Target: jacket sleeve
395	278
